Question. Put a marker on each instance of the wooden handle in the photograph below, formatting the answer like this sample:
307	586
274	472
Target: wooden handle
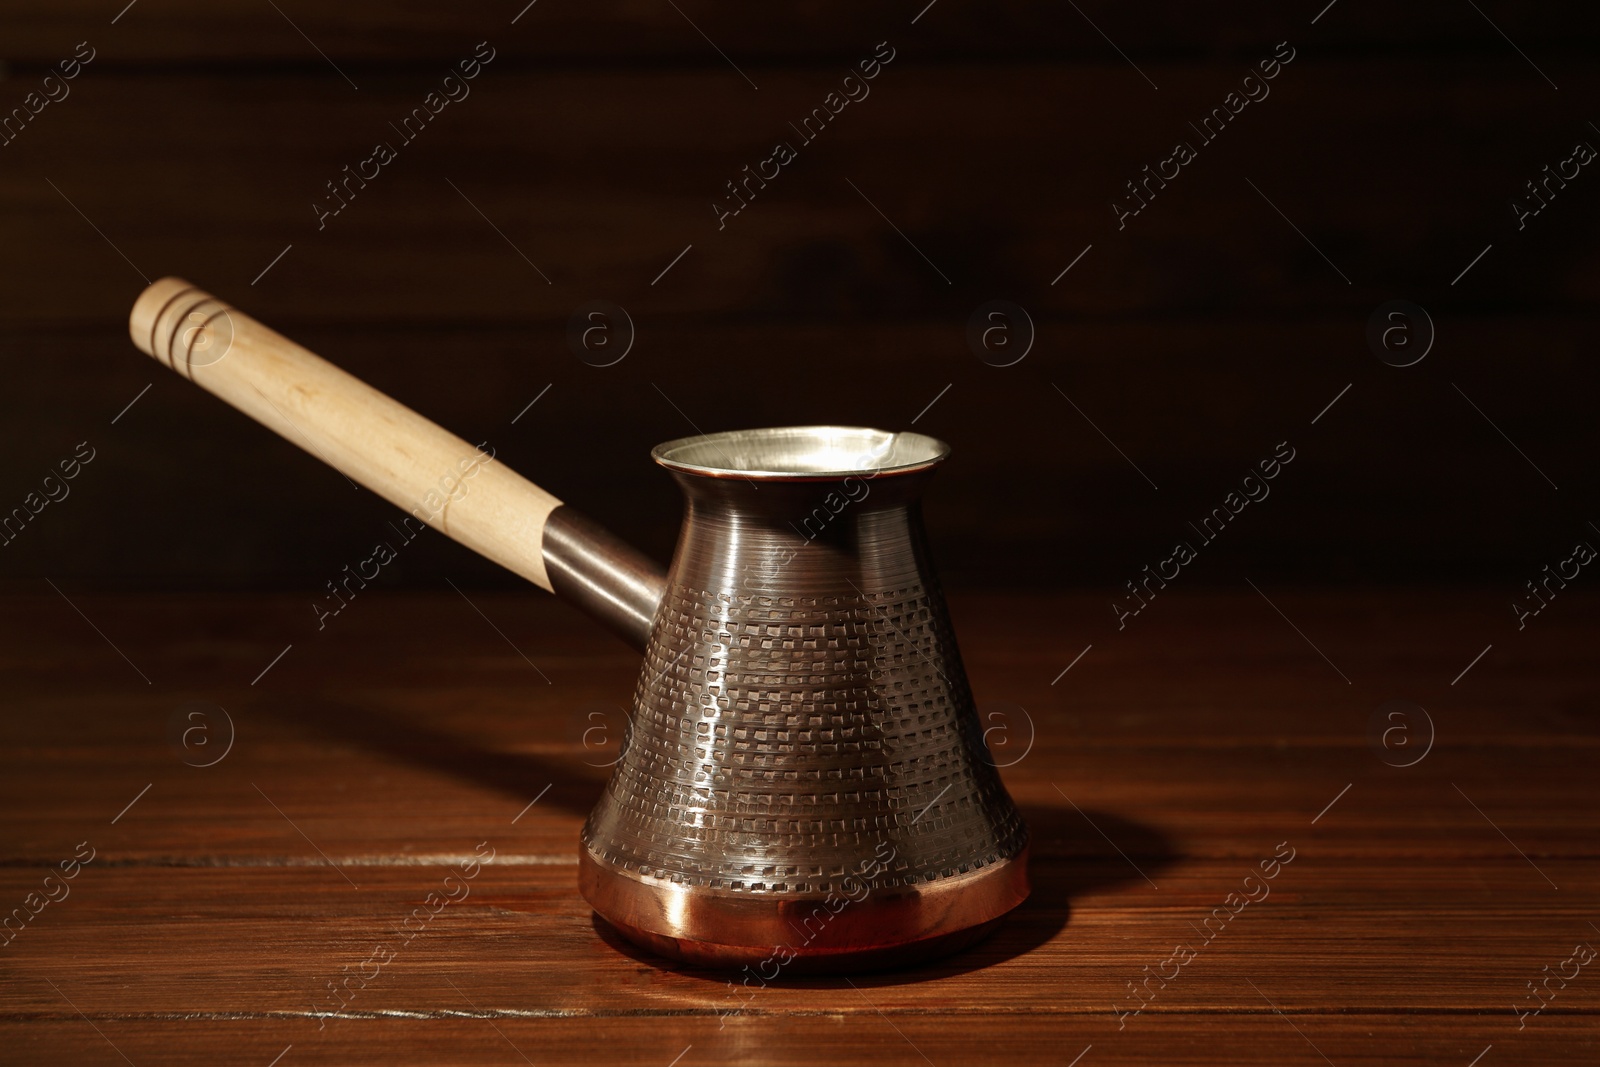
429	472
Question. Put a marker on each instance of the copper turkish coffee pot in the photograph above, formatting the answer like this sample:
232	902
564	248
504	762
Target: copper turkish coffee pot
804	782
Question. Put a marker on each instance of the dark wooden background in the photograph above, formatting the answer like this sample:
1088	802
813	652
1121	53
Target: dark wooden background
1195	339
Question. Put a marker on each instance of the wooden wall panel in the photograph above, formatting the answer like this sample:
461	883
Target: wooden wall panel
1209	328
1399	174
615	31
1402	479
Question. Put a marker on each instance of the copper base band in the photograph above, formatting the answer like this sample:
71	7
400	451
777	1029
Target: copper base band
811	934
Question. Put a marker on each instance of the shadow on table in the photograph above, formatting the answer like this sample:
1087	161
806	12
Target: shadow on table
1073	852
575	787
1070	857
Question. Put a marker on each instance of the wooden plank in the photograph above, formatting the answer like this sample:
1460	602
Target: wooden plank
608	177
1328	934
1149	807
609	32
1387	1040
1168	762
411	729
1374	493
809	288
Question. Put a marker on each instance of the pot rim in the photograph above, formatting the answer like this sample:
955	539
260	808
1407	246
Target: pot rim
801	453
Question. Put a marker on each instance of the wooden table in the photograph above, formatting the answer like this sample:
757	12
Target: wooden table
1175	756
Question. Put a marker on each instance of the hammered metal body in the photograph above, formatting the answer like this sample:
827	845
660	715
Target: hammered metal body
803	734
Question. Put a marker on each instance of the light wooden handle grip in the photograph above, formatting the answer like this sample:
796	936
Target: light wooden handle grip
429	472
